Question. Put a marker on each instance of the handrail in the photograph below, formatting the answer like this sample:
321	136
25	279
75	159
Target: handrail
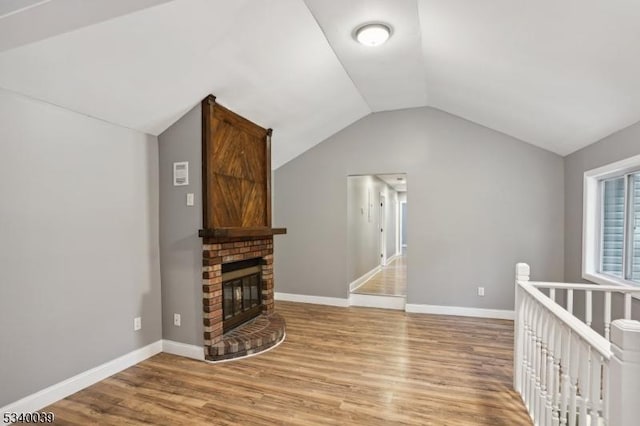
590	336
583	286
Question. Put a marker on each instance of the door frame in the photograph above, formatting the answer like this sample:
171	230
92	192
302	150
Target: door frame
383	232
403	225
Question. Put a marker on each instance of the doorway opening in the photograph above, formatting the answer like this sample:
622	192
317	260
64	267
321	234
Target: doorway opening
376	256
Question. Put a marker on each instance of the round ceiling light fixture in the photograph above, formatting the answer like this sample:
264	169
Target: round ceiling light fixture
373	34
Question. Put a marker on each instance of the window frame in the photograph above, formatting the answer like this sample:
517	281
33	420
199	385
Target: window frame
593	205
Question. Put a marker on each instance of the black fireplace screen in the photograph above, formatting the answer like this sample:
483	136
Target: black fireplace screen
242	297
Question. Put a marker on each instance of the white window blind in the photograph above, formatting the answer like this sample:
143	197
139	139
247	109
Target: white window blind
635	228
613	226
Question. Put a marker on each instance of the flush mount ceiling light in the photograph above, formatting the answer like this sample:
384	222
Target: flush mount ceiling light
373	34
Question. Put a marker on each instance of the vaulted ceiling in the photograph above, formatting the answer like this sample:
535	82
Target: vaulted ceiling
559	74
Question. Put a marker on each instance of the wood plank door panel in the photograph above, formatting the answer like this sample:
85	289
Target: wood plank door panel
236	170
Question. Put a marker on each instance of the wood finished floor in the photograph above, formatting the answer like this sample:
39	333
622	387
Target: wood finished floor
338	366
390	281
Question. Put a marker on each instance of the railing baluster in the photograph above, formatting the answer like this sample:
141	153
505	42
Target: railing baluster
594	387
627	306
583	383
565	389
526	383
605	393
607	315
557	380
574	363
532	356
552	294
535	392
544	353
551	378
570	300
588	302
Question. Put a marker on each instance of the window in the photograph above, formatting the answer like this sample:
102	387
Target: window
611	228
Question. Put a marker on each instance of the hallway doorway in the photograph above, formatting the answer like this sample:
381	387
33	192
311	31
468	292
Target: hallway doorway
376	259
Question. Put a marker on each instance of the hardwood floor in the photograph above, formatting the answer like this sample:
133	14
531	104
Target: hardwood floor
338	366
390	281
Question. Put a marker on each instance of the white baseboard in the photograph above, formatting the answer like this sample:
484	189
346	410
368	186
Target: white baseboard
460	311
392	258
363	279
183	349
318	300
61	390
378	301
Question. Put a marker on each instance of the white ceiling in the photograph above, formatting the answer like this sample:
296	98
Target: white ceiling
557	74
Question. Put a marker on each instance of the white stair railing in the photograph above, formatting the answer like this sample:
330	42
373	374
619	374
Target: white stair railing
567	373
589	301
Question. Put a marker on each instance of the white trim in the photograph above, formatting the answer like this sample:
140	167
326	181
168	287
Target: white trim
183	349
363	279
284	336
318	300
460	311
394	257
61	390
402	225
613	169
382	198
378	301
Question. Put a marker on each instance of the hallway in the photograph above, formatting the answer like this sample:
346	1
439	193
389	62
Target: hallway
390	281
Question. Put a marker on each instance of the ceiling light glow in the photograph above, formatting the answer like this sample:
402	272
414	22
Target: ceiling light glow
373	34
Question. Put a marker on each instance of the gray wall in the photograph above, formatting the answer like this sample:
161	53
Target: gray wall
620	145
79	252
180	246
363	233
480	202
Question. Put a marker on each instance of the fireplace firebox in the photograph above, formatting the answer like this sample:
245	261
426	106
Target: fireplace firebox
241	292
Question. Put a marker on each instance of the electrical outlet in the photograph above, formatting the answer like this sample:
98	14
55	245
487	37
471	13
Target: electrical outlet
176	320
137	323
480	291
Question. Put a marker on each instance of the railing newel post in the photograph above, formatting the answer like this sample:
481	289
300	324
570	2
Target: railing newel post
624	373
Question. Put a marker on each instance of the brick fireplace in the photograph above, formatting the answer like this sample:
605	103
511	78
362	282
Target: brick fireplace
257	334
237	268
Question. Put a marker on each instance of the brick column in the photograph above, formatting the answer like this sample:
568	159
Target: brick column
267	284
212	294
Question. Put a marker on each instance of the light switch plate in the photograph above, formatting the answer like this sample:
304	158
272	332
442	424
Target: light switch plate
190	199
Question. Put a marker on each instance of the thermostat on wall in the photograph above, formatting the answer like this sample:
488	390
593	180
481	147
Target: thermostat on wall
181	173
